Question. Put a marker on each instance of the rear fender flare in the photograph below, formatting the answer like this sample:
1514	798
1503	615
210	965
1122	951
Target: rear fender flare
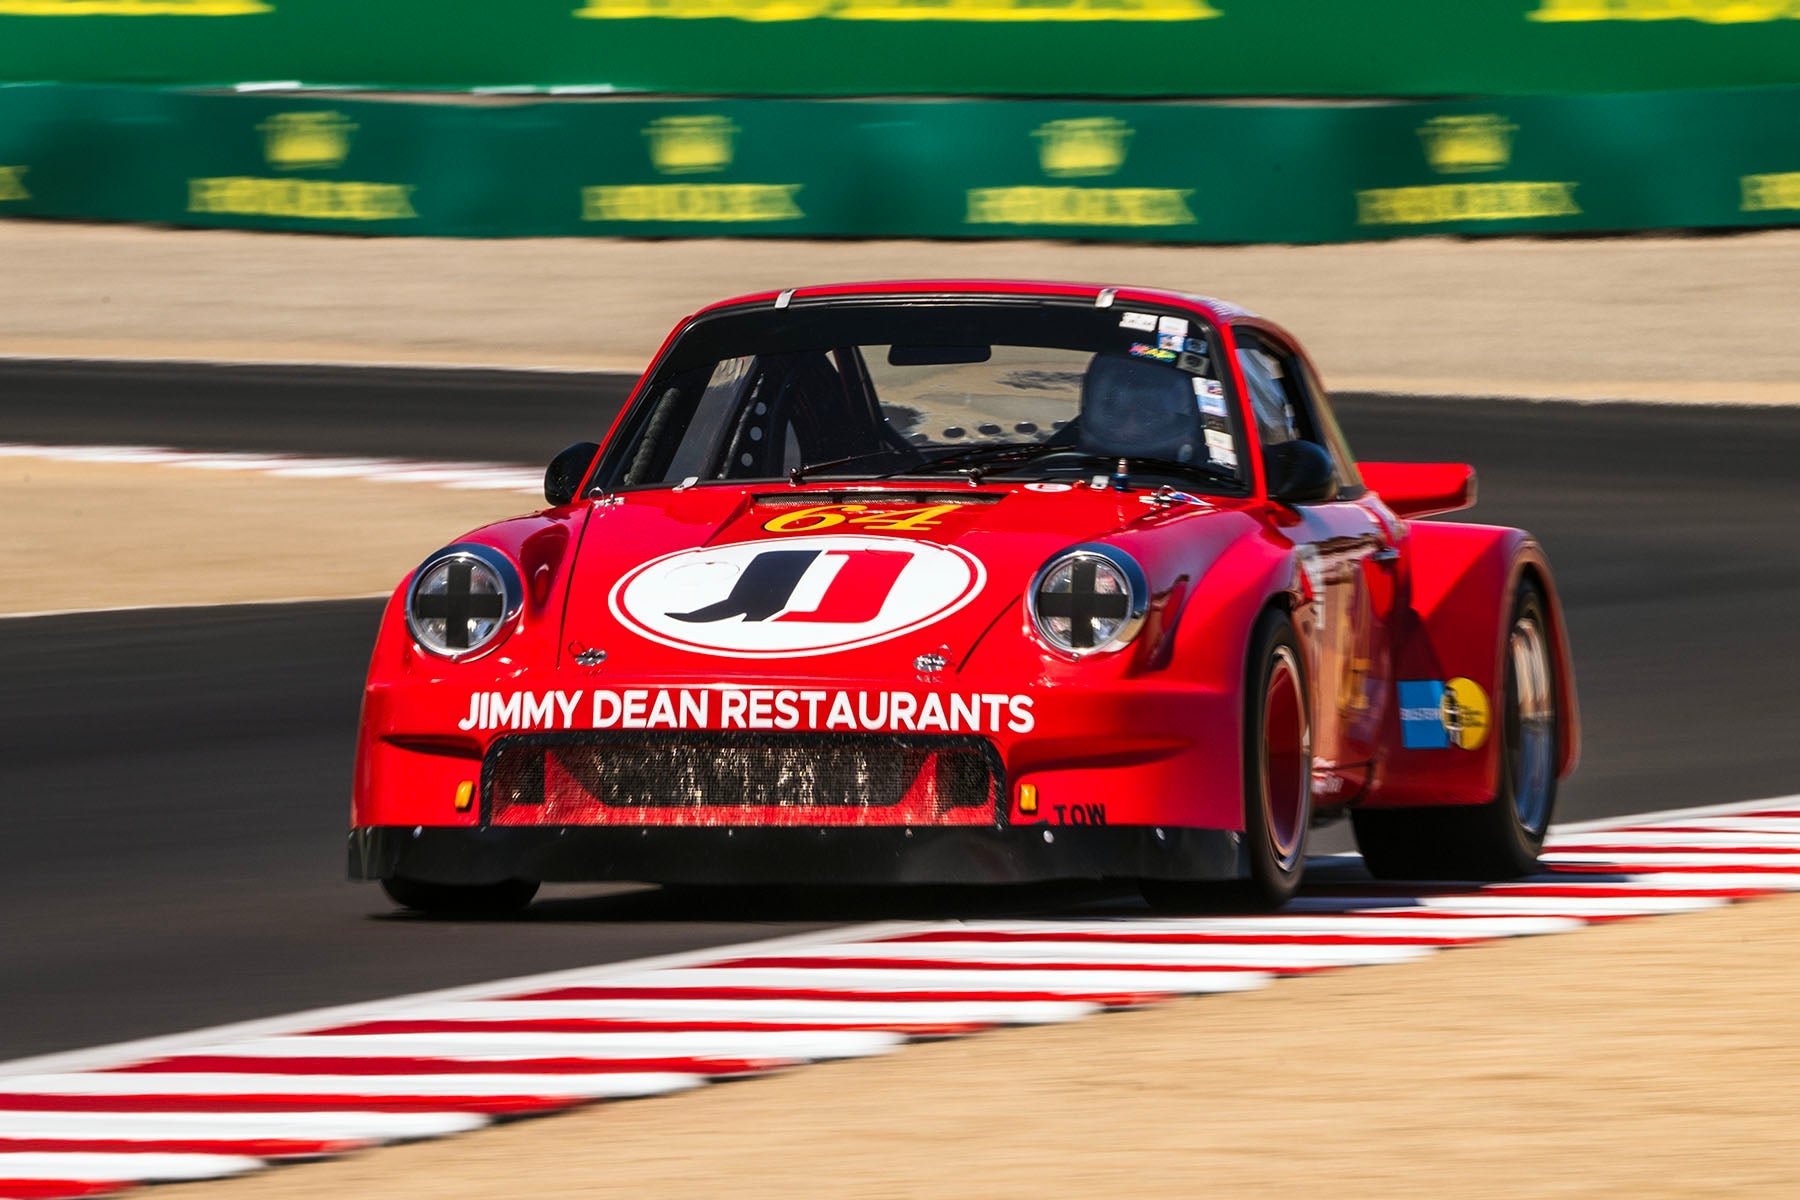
1458	588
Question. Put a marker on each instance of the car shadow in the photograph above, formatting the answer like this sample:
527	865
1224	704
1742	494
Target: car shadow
647	904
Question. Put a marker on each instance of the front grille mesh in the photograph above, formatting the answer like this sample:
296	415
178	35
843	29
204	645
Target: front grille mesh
692	779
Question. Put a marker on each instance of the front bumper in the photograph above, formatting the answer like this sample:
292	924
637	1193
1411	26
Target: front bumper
1130	753
799	855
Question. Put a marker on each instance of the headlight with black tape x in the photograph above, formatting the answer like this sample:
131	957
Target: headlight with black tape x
462	601
1088	600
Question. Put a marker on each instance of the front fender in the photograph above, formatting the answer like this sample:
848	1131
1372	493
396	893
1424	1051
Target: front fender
1209	588
405	775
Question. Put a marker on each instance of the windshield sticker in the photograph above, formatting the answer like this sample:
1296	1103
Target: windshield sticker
1221	447
1172	342
1140	350
1144	322
1211	397
795	597
1172	325
912	519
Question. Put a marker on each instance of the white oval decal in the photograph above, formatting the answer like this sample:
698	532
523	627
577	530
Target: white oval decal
795	596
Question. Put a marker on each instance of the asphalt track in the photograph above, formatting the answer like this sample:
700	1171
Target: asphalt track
174	783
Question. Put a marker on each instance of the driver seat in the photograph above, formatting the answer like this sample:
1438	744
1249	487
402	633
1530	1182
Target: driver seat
1131	408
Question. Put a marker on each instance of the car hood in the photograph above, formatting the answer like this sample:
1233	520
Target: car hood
829	583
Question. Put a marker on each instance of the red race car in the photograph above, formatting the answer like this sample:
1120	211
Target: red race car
966	582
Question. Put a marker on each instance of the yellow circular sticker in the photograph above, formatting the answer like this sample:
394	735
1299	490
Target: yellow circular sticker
1466	713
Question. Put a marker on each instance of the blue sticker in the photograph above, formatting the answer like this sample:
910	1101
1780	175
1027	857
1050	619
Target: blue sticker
1422	714
1171	341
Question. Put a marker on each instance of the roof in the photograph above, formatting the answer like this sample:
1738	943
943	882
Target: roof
1104	295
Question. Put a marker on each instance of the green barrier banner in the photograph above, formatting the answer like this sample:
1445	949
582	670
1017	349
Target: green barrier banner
1138	48
1174	172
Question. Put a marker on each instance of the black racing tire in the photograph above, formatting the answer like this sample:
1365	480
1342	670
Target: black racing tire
481	900
1502	838
1277	783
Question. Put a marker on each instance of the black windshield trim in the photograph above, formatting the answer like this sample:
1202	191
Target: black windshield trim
689	350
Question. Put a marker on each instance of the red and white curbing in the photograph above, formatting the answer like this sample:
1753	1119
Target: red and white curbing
222	1102
462	476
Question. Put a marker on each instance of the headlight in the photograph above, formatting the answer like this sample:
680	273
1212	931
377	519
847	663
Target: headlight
462	599
1088	600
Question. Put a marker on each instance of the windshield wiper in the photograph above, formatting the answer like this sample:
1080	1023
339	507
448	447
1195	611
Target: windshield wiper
980	456
797	475
1121	466
1013	454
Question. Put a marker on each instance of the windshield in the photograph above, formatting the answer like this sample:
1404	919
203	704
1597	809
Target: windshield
891	389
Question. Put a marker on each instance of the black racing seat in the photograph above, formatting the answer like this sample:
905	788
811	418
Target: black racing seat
1131	408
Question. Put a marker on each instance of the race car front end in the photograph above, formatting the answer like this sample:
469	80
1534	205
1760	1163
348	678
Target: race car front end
973	748
582	777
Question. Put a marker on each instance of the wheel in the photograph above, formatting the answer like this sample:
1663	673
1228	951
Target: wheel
461	900
1502	838
1277	782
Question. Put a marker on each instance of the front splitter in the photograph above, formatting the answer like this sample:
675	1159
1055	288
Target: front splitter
792	855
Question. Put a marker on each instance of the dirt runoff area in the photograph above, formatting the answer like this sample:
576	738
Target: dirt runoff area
1657	1058
1699	317
130	535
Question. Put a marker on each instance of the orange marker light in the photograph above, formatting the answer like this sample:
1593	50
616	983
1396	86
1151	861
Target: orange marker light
1028	797
465	795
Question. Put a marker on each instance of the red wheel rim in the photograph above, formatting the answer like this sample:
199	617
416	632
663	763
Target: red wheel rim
1287	760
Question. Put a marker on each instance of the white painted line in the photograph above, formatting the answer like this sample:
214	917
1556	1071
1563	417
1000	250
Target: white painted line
844	1043
1280	925
1122	955
225	1086
1655	837
1513	906
1678	815
863	979
110	1168
1579	887
331	468
455	475
1733	825
1665	857
231	462
323	1125
1693	882
903	1012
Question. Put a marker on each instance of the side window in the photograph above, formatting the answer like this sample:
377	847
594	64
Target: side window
1288	404
1350	482
1278	417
